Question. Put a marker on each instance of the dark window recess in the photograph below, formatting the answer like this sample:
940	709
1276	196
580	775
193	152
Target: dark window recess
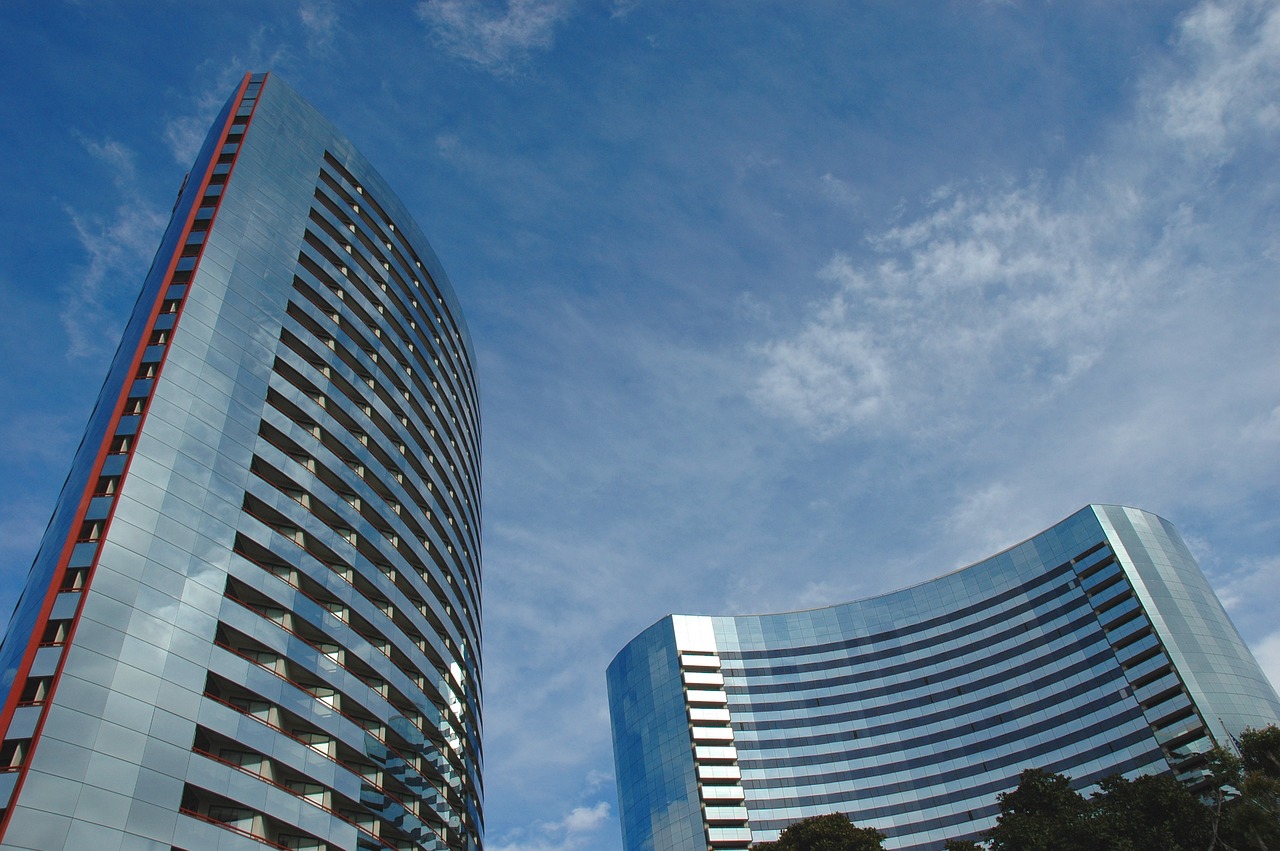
13	754
55	633
74	579
36	691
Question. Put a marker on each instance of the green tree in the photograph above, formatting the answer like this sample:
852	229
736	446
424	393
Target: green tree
832	832
1248	793
961	845
1151	813
1042	814
1260	751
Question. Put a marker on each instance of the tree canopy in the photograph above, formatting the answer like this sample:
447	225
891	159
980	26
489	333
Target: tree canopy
1152	812
833	832
1248	794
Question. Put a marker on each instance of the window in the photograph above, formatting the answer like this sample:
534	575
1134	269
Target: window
236	817
249	761
266	659
318	742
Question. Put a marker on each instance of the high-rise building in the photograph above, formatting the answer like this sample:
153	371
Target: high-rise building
1094	648
254	619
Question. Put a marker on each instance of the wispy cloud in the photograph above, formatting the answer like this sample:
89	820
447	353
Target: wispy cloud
320	24
1267	652
494	40
1225	94
117	248
986	292
996	296
265	51
838	191
1238	588
574	831
1244	592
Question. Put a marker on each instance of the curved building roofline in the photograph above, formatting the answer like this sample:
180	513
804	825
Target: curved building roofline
1092	648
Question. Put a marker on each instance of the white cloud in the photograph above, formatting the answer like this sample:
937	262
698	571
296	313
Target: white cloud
1248	592
829	377
184	134
1242	587
622	8
1002	296
117	248
570	833
497	41
265	51
1267	652
582	819
1229	90
320	23
983	290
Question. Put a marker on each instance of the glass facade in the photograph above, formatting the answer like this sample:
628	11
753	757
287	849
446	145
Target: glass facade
254	618
1094	648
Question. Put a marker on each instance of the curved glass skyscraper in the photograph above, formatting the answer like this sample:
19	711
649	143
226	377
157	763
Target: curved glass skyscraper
255	616
1094	648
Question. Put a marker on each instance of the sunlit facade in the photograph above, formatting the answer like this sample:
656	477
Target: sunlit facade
1094	648
254	619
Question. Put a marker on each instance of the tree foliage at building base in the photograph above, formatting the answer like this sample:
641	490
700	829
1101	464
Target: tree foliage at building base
832	832
1149	813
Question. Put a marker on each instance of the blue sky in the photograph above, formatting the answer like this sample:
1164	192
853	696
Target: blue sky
776	304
